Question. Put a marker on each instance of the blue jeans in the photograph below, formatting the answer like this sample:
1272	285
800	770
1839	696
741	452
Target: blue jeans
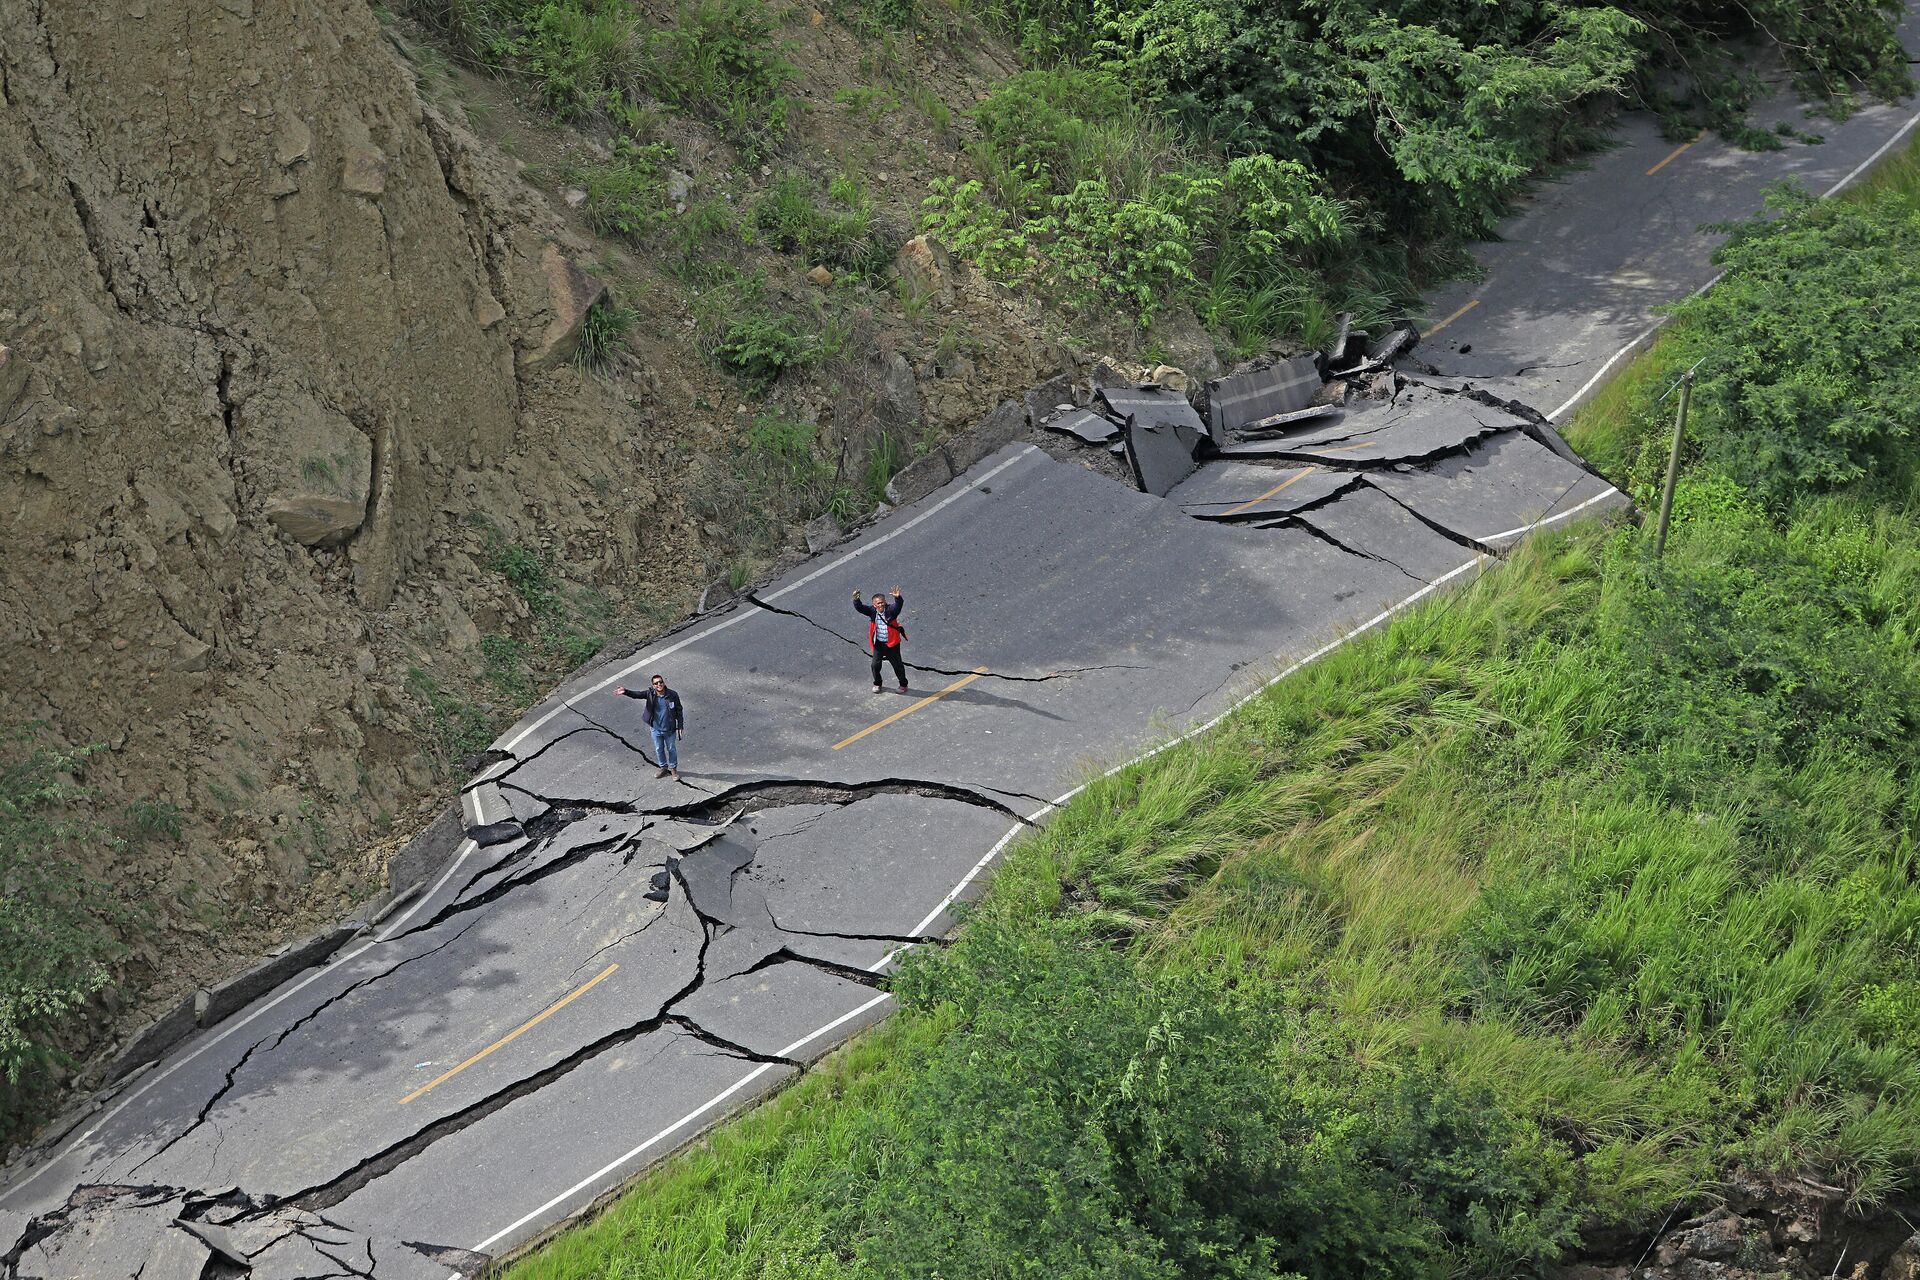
666	748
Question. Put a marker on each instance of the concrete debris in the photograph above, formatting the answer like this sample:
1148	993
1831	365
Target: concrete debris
1162	456
492	833
1281	421
1236	401
1084	425
1383	351
1335	351
1152	406
821	533
1051	397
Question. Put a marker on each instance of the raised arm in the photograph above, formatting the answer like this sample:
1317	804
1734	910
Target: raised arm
899	603
861	606
625	692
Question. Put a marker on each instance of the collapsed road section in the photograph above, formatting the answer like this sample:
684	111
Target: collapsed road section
615	960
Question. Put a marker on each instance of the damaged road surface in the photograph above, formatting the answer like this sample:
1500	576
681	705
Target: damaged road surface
613	961
616	960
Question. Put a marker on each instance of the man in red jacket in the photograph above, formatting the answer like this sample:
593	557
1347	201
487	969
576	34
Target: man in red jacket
885	635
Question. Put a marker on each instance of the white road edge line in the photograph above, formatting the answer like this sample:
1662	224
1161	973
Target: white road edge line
1638	339
234	1024
467	847
742	615
1049	807
611	1166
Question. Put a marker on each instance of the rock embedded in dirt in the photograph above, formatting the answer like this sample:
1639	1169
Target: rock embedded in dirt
316	467
363	171
13	376
1904	1263
927	270
1714	1238
820	276
570	294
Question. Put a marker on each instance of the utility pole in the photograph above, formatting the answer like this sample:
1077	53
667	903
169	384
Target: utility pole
1673	465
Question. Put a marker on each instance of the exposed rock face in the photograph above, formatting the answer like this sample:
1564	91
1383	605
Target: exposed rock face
925	268
569	293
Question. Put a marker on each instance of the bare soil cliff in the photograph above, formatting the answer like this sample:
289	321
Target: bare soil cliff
293	458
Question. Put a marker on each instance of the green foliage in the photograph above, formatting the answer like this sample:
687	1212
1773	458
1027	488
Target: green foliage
720	60
56	922
627	196
527	572
455	726
1090	197
787	217
1810	343
760	347
603	334
1080	1122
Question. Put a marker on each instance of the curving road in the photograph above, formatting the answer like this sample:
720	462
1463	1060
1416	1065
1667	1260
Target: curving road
534	1028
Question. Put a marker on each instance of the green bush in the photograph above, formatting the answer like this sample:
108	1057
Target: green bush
1808	346
761	347
603	334
56	933
1083	1121
788	218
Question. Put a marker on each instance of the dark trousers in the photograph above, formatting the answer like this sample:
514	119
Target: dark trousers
891	652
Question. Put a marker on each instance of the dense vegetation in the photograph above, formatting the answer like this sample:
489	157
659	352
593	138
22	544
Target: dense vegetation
1535	913
55	939
1265	164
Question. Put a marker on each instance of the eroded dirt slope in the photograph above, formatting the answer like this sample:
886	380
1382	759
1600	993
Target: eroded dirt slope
286	366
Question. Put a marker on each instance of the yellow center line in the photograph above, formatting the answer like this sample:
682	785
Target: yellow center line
961	683
1450	319
1675	153
1254	502
1349	448
508	1038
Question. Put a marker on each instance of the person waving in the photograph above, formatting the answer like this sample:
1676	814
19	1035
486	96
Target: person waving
885	635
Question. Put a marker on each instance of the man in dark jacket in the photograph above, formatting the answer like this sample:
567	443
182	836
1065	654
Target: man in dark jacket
666	716
885	635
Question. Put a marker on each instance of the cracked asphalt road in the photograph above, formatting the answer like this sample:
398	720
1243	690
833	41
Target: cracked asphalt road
536	1027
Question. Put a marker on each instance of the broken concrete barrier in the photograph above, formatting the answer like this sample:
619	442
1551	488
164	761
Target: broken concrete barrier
226	998
821	533
918	479
169	1029
1000	428
1242	399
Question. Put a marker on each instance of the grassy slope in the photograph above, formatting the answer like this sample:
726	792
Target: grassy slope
1527	835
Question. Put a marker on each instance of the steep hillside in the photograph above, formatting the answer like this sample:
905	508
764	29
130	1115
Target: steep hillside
304	491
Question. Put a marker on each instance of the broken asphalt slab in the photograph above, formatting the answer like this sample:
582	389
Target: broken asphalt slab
1367	521
1160	456
1498	488
1243	491
1240	399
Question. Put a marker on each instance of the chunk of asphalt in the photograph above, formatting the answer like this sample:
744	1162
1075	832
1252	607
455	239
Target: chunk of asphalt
1084	425
1369	522
176	1255
1153	406
1284	421
1383	350
218	1239
1237	400
491	833
1161	457
102	1231
1240	491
